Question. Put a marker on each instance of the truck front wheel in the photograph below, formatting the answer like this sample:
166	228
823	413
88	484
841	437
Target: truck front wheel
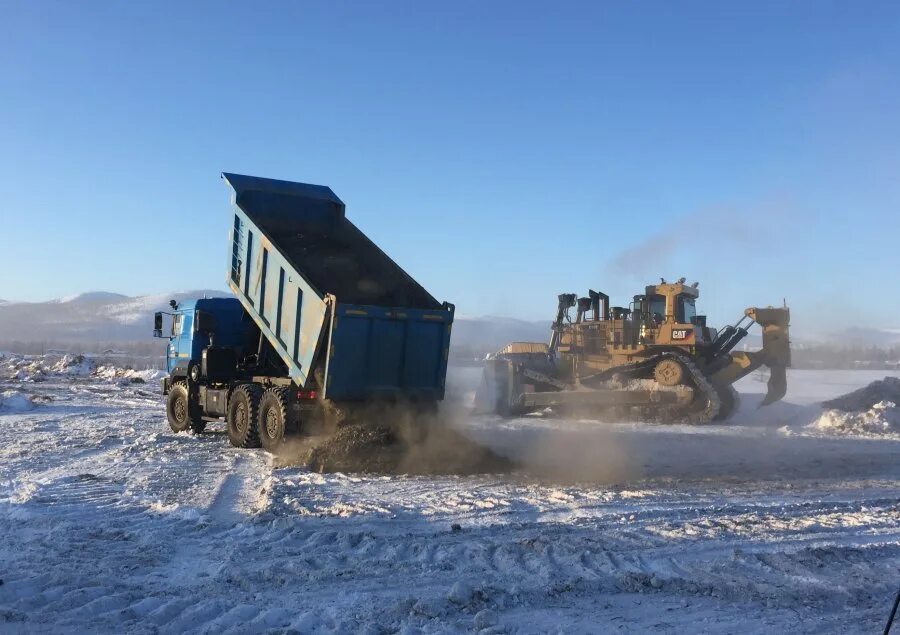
273	418
181	412
243	416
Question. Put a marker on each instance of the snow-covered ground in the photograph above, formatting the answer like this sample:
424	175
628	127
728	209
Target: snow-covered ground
770	523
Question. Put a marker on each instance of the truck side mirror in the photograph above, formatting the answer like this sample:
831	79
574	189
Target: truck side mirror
157	324
204	322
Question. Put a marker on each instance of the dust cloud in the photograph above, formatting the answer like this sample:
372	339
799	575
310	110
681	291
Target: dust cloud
560	457
395	439
755	445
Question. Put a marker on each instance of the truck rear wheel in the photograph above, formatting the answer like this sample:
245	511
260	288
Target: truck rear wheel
273	418
181	412
243	416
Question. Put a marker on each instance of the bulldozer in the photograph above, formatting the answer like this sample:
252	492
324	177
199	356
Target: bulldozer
655	360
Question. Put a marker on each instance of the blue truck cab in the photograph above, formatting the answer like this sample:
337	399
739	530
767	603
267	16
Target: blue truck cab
187	340
321	319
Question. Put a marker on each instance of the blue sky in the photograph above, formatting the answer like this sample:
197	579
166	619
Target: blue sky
502	153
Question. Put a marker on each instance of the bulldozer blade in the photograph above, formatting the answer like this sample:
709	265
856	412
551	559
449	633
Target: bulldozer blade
776	350
776	341
777	386
499	389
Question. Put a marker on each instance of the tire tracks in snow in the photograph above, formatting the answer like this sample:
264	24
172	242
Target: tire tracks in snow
241	491
149	530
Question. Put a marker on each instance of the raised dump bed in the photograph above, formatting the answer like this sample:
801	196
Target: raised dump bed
341	315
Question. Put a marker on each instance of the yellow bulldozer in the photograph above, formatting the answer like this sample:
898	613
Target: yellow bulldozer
656	360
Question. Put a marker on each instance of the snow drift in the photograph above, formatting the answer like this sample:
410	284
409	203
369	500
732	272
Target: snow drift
128	375
882	419
39	368
869	411
13	401
73	366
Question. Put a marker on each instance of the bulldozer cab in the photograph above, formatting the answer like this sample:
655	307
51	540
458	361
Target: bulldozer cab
667	314
671	303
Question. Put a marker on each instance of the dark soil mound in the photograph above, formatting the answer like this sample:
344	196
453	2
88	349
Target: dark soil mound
887	389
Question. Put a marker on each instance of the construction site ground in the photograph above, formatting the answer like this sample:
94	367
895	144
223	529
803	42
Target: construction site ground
772	522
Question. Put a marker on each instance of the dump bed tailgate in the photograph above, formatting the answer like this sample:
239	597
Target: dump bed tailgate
377	352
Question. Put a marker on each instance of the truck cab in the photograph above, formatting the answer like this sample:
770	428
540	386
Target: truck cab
194	326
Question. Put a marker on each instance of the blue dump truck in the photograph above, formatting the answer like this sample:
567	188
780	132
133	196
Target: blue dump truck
321	320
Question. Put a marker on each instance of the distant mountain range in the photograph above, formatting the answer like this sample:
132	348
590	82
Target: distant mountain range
97	316
100	317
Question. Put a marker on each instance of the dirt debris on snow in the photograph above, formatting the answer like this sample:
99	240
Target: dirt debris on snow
404	448
260	549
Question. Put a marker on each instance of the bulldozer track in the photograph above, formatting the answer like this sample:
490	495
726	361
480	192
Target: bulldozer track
703	389
713	403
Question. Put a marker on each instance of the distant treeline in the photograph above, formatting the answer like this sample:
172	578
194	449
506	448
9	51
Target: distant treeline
458	353
843	356
141	348
837	356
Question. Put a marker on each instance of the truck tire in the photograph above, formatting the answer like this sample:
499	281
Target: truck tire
273	418
243	416
181	411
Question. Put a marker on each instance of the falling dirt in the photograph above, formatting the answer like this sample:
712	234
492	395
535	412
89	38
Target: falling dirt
394	441
389	450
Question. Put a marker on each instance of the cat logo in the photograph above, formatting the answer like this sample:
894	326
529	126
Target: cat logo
681	334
